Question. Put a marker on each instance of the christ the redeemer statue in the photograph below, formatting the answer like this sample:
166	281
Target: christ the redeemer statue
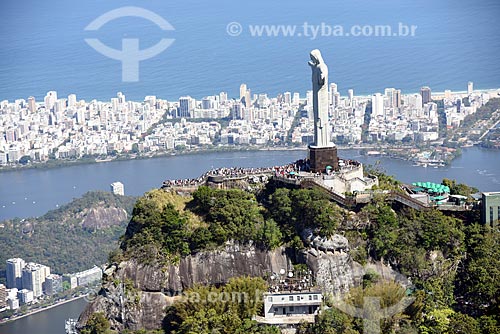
320	100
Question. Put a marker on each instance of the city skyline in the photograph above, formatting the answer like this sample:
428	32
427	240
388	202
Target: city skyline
62	128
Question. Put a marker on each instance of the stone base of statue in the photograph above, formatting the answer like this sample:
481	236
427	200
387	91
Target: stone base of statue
322	157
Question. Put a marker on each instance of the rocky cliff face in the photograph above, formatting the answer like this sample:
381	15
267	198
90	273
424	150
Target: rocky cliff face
101	217
144	306
154	287
335	272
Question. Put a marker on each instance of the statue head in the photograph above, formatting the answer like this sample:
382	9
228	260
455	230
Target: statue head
316	57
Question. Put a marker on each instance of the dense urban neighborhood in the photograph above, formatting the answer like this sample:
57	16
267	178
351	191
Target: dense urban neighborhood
425	127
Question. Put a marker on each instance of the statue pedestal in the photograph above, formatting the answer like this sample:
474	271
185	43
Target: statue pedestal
321	157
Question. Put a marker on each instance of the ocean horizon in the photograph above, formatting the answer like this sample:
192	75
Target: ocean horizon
44	48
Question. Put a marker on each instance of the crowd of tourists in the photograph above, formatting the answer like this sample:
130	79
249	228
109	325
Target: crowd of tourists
289	170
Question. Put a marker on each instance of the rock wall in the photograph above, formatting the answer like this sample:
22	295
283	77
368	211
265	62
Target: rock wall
335	272
154	284
99	217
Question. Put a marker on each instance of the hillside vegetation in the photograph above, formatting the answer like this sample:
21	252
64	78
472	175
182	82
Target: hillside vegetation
72	238
165	226
454	264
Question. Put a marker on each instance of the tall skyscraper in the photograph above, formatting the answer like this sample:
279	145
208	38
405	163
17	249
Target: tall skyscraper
296	99
60	106
336	99
350	96
245	96
377	105
397	98
71	100
248	98
389	96
425	92
309	98
186	106
121	98
31	104
53	284
288	97
222	97
33	277
332	92
14	273
470	87
243	91
413	101
50	99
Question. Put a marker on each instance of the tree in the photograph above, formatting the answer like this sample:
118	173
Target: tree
225	310
459	188
331	321
157	229
437	322
478	281
489	325
385	232
201	239
464	324
97	324
271	235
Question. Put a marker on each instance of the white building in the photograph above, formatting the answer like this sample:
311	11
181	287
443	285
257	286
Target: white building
71	100
350	95
117	188
285	307
377	105
13	303
71	279
470	88
50	99
84	277
25	296
53	284
34	275
350	178
14	272
89	276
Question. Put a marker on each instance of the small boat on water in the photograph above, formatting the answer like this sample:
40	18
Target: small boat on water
70	326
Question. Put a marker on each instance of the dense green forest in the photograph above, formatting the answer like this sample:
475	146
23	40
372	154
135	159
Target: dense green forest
454	264
58	239
165	226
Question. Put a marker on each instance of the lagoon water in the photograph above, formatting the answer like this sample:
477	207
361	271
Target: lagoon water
50	321
33	192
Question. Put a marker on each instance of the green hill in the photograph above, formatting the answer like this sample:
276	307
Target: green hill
72	238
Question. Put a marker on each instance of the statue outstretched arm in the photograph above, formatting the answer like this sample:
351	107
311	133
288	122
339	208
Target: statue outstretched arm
321	78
